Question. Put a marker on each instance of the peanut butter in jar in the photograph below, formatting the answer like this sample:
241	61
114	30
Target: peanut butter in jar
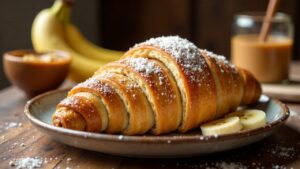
268	60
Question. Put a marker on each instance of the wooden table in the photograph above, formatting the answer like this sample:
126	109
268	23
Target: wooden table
19	139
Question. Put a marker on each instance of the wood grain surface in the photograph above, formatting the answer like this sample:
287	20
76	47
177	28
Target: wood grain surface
19	139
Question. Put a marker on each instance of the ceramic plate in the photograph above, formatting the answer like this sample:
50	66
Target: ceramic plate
40	109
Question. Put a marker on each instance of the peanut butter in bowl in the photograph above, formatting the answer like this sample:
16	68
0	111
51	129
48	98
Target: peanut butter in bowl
34	72
43	58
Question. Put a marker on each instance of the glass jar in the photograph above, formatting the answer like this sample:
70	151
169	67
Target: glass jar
268	60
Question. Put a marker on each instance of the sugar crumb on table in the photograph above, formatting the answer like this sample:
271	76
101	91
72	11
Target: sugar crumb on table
27	163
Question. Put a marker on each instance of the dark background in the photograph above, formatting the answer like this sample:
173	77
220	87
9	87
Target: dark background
118	24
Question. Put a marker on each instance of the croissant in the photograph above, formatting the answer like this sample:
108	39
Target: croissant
161	85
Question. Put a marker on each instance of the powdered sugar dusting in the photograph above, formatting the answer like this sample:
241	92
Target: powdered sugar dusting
294	115
94	83
143	65
27	163
77	103
220	59
216	165
282	152
147	68
174	45
151	70
185	52
123	80
10	125
231	165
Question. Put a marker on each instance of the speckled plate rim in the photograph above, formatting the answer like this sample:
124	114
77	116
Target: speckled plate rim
149	138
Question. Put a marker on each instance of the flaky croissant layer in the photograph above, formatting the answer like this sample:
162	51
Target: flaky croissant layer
159	86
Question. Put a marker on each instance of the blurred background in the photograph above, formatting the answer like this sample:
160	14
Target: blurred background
119	24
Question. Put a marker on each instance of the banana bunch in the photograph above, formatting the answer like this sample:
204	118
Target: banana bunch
234	122
53	30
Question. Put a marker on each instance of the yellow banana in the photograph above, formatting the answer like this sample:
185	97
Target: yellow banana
222	126
250	118
48	34
80	44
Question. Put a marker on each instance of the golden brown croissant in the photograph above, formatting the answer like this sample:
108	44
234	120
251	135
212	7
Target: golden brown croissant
161	85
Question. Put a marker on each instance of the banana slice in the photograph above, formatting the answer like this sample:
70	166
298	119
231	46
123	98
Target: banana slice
250	118
221	126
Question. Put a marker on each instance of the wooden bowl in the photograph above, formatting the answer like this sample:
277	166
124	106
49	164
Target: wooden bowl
35	77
